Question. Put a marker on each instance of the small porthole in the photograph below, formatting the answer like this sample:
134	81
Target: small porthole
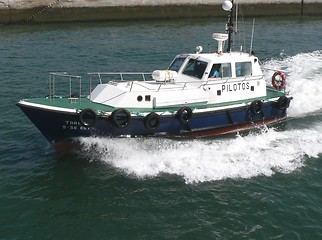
139	98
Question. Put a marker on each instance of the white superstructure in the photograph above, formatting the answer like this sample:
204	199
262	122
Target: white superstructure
189	80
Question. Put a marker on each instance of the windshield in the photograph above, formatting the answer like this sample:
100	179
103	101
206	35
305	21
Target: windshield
177	63
195	68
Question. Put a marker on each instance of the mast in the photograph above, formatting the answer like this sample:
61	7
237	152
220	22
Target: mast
230	27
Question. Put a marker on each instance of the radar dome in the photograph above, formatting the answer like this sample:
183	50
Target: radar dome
227	5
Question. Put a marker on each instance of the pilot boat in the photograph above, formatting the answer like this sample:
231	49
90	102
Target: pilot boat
200	94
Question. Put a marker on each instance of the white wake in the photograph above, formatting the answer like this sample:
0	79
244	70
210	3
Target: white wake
304	76
259	153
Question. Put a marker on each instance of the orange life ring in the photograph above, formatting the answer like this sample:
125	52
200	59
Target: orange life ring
278	80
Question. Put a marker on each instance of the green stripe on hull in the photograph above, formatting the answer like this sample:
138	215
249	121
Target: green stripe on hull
84	102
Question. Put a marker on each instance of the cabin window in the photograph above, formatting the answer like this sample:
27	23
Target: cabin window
215	71
225	70
243	69
195	68
220	70
177	63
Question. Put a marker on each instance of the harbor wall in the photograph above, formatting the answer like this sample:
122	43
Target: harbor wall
38	11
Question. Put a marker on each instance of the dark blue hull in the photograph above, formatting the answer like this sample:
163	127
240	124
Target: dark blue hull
58	126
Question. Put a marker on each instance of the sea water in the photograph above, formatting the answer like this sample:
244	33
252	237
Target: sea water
260	184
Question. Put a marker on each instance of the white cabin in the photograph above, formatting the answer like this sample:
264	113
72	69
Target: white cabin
189	81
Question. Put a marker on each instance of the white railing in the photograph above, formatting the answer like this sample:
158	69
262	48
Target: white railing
121	76
214	81
53	76
142	76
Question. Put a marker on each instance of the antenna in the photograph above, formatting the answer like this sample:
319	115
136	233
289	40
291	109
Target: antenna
236	21
251	42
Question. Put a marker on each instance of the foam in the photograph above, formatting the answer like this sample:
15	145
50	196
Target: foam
261	153
256	154
304	73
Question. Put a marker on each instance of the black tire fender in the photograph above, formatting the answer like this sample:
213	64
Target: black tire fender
121	118
256	106
184	114
152	121
283	102
88	117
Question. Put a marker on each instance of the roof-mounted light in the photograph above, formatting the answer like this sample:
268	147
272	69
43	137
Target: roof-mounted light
199	49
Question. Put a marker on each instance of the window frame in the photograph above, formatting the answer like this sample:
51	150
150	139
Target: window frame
245	71
194	62
183	58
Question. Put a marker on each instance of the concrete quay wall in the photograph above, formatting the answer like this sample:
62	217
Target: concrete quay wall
37	11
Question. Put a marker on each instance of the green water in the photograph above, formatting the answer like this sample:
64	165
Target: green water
264	184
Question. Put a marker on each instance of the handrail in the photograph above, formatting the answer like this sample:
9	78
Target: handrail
212	81
120	74
64	74
52	84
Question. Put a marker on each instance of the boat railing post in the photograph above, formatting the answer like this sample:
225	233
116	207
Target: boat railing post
49	86
54	86
70	86
90	88
80	89
99	77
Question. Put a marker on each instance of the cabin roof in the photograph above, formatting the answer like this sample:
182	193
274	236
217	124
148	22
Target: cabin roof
223	57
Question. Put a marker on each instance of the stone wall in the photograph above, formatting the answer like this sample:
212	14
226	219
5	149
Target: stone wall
28	11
